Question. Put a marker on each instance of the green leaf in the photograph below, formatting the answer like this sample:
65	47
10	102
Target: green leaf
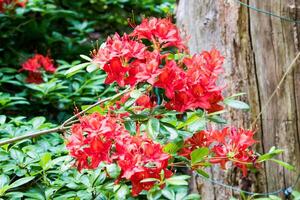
217	119
191	119
198	154
198	125
154	194
192	197
21	181
17	155
92	67
94	109
271	197
169	194
86	58
2	119
296	195
130	126
272	152
4	180
113	170
171	148
45	159
178	180
202	173
284	164
236	104
171	130
122	192
70	72
153	126
37	122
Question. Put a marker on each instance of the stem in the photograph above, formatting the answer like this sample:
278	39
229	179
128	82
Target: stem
63	127
32	135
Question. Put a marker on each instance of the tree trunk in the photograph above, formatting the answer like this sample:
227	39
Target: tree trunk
258	49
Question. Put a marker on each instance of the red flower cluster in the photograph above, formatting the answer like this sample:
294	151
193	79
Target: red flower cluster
34	65
140	158
189	82
161	32
229	144
100	138
92	139
12	4
196	87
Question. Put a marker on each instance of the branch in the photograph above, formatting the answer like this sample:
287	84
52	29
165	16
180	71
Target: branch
32	135
264	107
63	127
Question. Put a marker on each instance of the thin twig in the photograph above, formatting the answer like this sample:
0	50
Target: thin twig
276	89
94	105
32	135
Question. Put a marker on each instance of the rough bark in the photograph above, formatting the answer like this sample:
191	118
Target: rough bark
258	48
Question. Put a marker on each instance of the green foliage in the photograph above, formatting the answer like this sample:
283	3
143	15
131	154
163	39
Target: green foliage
270	156
231	102
198	155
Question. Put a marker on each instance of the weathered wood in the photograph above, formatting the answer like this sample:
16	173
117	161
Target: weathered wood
258	49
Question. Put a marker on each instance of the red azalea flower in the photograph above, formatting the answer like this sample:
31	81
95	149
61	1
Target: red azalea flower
47	64
34	77
140	158
34	64
116	55
120	47
233	144
12	3
144	101
180	102
1	5
91	140
171	78
198	140
162	32
144	70
228	144
115	72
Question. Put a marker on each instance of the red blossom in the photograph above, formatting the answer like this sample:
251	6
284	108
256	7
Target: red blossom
12	4
144	101
116	55
34	77
140	158
233	144
120	47
198	140
92	138
145	70
34	65
171	78
228	144
162	32
189	83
